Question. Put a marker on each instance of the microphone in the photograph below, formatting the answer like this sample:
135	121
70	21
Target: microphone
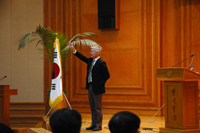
185	59
3	78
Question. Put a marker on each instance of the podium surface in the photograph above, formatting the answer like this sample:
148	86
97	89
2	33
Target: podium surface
181	100
5	93
174	74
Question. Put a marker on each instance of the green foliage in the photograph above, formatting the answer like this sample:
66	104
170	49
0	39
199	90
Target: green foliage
46	38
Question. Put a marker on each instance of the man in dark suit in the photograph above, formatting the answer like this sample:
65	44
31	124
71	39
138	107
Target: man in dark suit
97	75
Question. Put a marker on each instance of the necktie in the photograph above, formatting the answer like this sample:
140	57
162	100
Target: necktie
90	72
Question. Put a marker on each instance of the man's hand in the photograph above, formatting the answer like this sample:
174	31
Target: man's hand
71	46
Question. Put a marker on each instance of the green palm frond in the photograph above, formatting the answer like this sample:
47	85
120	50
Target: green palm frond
85	34
45	34
46	38
66	48
24	40
84	42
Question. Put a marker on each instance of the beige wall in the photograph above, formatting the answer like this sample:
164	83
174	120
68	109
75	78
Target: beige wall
24	68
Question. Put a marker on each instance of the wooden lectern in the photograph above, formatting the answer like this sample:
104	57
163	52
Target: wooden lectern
181	100
5	93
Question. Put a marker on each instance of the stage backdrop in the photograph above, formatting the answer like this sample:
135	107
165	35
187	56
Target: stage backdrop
151	34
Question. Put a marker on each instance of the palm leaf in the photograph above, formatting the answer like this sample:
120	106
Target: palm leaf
85	34
46	38
85	42
24	40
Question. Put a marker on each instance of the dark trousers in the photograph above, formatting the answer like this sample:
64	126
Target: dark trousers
96	107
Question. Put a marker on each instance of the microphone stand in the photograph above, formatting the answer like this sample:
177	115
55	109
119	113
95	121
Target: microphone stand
3	78
183	60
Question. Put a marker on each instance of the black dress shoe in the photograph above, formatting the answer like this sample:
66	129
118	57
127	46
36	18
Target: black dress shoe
97	129
90	128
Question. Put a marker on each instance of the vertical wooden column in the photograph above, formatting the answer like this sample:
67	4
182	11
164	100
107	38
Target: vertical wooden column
60	16
5	93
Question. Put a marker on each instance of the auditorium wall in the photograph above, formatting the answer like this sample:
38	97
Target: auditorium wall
24	68
152	34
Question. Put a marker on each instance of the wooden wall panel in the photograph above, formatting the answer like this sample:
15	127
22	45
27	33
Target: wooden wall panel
129	57
152	34
194	35
180	37
177	23
129	53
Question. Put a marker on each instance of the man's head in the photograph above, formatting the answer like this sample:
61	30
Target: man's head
5	129
124	122
65	121
95	51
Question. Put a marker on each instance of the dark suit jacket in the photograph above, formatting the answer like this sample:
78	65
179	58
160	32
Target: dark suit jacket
100	73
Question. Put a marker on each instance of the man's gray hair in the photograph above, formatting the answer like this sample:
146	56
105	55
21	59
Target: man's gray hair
97	48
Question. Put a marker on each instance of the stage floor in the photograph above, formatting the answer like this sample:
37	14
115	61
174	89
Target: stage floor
146	122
